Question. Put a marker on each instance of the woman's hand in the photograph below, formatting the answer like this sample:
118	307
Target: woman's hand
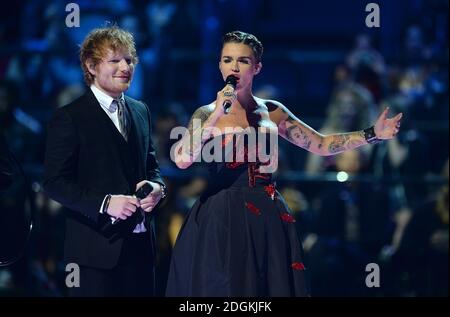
227	93
386	128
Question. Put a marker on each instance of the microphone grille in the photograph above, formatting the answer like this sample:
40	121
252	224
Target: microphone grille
231	80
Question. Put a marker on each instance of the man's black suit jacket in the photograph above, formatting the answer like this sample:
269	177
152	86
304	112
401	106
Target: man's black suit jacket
86	159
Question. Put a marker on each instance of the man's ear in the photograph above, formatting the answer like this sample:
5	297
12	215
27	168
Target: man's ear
257	68
90	66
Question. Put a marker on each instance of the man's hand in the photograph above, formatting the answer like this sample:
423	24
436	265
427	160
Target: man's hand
149	202
122	207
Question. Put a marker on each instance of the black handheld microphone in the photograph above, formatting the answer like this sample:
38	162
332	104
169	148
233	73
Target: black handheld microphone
141	193
232	81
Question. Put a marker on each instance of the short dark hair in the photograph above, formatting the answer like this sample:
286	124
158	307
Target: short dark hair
247	39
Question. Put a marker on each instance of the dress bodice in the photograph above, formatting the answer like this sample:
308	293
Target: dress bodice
240	160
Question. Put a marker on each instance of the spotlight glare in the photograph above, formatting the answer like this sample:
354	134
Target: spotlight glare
342	177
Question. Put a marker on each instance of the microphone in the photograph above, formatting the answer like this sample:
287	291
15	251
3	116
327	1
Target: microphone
232	81
141	193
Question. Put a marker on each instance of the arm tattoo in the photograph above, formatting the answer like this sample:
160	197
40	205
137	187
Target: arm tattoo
295	134
338	143
193	141
201	114
345	141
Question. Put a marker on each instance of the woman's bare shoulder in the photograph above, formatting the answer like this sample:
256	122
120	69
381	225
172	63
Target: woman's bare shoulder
276	110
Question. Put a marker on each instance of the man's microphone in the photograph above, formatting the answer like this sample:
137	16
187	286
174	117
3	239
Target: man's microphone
141	193
232	81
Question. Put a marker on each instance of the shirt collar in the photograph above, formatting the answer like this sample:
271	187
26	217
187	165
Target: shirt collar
105	100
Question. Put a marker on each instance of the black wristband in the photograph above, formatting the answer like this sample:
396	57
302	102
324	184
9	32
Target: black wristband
106	204
370	136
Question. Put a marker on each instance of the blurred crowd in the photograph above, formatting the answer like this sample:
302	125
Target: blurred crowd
385	203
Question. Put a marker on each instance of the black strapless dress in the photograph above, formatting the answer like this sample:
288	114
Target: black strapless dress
239	240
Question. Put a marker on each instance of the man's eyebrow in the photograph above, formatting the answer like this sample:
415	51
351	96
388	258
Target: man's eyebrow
119	57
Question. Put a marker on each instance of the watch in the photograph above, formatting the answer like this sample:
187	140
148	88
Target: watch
163	191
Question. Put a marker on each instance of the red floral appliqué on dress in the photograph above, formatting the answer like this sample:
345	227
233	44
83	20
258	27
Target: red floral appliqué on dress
252	208
298	266
287	217
270	190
